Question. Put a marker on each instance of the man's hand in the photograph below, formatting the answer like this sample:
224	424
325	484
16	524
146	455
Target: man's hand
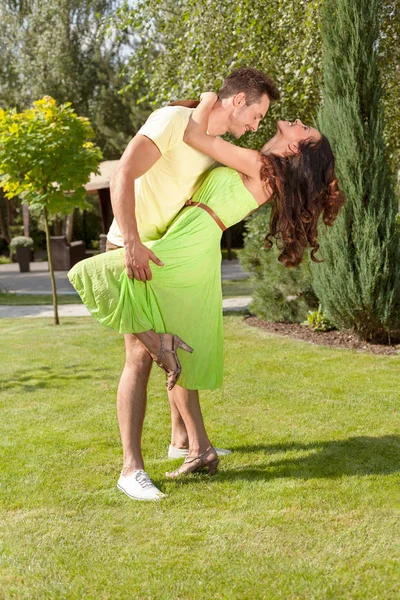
137	259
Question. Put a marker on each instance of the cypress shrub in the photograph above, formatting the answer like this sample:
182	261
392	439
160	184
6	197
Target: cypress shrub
281	294
358	283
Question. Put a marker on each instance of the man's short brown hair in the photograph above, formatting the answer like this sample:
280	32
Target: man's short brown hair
252	82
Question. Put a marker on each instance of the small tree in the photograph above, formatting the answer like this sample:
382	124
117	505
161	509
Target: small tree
46	158
359	282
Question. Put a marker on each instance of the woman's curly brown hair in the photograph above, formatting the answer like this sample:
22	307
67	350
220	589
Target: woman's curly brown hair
304	187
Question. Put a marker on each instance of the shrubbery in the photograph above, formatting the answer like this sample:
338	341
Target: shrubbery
281	294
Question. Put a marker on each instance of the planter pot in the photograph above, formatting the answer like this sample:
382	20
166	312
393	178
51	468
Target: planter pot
23	258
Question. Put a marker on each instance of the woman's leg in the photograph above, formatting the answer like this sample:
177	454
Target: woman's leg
188	405
201	453
186	401
179	435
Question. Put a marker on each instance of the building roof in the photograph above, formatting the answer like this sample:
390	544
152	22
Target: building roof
102	181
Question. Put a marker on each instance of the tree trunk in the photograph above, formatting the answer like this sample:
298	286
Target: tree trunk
3	230
69	227
25	219
58	229
50	260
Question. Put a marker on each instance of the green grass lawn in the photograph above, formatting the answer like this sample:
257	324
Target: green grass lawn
237	287
307	506
10	299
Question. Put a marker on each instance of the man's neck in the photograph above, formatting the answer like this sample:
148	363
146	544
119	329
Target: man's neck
218	119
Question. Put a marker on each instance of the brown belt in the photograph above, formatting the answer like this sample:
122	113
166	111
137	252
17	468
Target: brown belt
209	210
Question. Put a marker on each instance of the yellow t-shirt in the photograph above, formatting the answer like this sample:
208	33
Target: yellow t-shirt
162	191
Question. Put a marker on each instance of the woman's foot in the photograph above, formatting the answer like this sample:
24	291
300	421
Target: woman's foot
208	460
163	350
179	451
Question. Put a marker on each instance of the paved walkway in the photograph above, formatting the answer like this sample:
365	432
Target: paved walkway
79	310
37	281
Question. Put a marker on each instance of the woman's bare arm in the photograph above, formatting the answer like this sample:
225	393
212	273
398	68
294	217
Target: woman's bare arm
242	159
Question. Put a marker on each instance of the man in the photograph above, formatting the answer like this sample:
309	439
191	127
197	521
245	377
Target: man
157	173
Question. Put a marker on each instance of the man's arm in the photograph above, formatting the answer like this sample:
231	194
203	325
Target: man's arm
140	155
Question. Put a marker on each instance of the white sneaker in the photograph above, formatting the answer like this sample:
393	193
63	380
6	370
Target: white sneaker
174	452
138	486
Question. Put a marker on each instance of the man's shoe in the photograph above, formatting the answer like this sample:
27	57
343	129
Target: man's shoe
138	486
174	452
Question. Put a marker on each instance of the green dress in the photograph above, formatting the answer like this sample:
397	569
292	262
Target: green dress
184	296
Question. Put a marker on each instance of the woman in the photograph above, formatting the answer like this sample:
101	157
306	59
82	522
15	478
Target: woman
183	300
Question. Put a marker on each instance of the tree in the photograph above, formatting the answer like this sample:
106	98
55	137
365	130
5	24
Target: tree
46	158
389	63
62	49
359	282
187	46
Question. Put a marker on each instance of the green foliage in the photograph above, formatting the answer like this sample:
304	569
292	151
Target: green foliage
317	321
21	242
389	62
281	294
200	41
46	156
62	49
187	46
359	282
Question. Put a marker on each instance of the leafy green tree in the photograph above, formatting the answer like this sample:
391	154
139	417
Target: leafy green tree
46	157
199	42
389	68
62	49
186	46
359	282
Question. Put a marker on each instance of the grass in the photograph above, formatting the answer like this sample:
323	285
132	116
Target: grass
234	253
307	507
11	299
237	287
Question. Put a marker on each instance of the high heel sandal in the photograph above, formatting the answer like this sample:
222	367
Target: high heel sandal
172	375
196	463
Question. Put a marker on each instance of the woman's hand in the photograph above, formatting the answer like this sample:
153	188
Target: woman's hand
208	97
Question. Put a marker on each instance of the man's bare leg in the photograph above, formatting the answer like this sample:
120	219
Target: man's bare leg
131	402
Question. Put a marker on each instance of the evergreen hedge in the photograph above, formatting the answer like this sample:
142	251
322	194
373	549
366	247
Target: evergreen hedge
359	282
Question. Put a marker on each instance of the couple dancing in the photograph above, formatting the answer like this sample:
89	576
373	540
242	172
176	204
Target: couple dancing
171	203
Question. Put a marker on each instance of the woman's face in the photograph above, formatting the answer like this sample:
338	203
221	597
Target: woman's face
287	137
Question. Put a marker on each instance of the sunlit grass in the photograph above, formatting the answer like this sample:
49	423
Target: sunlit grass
306	507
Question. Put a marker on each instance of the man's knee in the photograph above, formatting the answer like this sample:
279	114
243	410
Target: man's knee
136	355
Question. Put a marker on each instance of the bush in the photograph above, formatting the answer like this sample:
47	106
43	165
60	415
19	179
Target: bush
281	294
317	321
21	242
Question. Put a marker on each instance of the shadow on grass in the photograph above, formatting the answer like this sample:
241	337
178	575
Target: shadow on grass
47	378
329	459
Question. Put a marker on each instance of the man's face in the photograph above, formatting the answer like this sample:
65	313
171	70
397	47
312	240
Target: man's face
246	118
